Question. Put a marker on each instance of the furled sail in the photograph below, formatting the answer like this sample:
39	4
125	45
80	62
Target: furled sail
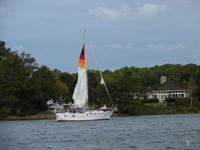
80	95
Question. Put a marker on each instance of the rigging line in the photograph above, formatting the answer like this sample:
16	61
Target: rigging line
95	58
106	89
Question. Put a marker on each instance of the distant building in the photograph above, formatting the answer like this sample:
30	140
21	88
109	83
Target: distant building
166	89
169	89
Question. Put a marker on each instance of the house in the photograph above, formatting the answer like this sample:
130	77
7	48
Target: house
169	89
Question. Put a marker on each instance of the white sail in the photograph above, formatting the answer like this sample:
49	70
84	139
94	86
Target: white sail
80	95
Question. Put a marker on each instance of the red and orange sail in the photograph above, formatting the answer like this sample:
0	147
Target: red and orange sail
80	95
82	61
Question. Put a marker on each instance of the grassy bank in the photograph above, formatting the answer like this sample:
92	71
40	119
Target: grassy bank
179	107
40	115
29	117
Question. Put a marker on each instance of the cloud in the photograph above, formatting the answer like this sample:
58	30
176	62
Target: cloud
166	47
126	12
105	13
120	46
129	44
151	9
111	14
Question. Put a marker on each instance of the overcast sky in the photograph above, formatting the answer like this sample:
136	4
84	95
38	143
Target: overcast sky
138	33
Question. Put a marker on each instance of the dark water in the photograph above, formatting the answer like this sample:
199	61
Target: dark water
155	132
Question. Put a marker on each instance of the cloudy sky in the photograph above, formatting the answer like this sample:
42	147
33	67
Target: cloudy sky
121	33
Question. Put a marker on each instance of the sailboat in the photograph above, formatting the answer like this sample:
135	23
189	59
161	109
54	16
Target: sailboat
79	110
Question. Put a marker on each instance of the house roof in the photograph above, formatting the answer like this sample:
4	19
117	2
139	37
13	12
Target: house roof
171	85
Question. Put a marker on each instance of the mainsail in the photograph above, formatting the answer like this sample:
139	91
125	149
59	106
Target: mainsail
80	95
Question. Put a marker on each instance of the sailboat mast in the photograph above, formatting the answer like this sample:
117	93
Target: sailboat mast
85	47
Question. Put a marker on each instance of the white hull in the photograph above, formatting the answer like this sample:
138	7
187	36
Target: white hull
86	116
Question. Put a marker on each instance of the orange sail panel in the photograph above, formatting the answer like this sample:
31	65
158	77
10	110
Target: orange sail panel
82	61
80	95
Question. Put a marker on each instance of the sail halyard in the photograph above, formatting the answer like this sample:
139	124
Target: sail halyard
80	95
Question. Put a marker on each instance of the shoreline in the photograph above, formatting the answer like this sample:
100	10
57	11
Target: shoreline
29	117
52	116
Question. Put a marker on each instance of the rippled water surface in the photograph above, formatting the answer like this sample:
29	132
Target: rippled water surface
155	132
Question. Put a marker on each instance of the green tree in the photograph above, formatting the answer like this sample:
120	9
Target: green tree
44	87
196	87
15	71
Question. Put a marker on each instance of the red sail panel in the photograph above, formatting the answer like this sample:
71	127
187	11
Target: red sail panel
82	61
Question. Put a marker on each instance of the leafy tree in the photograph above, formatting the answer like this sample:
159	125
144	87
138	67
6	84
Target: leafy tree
15	70
69	81
45	87
151	100
170	100
182	102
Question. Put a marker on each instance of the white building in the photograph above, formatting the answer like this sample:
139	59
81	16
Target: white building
169	89
163	94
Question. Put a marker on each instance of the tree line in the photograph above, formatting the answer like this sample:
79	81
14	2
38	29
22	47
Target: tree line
25	86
